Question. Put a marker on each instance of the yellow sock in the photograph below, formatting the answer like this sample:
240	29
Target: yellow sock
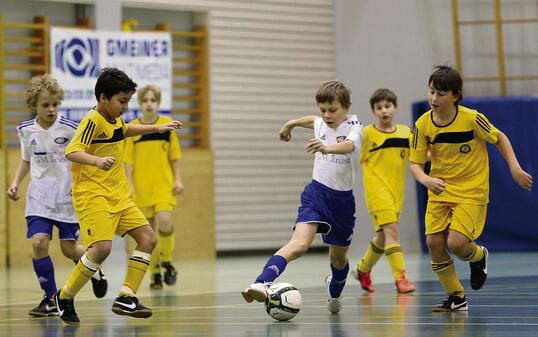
446	272
155	259
136	269
475	256
79	277
370	258
168	243
394	254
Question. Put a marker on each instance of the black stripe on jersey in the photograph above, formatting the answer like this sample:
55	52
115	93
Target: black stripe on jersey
483	123
454	137
87	134
392	142
155	136
415	138
116	137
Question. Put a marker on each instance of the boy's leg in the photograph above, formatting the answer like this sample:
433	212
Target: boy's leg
42	263
337	280
394	254
298	245
374	252
167	241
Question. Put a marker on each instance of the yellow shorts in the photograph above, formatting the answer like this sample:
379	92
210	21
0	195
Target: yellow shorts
467	219
150	211
383	217
102	225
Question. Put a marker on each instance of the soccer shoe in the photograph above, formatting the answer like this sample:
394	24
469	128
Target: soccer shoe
129	306
44	309
364	279
403	286
333	304
255	292
479	271
99	284
170	275
156	282
66	309
451	303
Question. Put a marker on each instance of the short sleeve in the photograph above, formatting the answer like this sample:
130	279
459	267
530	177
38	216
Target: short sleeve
25	151
83	137
175	148
356	135
128	152
418	145
485	130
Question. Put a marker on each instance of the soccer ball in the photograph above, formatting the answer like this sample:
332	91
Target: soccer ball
283	301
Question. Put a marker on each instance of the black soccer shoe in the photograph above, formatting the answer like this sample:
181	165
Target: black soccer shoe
99	286
66	309
170	275
479	271
44	309
129	306
451	303
156	282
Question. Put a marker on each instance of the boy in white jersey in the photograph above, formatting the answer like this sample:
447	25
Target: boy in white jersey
48	199
327	203
384	157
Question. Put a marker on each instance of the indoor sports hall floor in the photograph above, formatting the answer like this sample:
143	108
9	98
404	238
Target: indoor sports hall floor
206	302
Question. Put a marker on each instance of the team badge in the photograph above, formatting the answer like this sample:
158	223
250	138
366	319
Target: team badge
61	140
340	139
465	148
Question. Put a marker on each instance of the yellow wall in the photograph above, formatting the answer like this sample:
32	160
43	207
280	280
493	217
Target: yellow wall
193	218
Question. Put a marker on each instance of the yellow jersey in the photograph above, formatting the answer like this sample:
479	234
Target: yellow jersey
458	154
150	155
95	189
384	158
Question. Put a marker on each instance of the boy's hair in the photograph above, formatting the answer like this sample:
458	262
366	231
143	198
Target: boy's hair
144	90
383	94
112	81
333	90
39	83
447	78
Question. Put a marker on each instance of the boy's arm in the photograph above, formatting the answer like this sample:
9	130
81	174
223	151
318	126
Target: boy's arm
435	185
521	177
140	129
20	174
81	157
129	174
315	145
305	122
178	183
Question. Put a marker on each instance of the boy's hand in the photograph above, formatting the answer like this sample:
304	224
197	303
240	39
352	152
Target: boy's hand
315	145
436	185
13	192
285	133
522	178
105	163
178	187
169	126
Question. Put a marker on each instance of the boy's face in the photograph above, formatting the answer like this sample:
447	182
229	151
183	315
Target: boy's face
441	101
384	111
149	104
47	106
333	113
117	104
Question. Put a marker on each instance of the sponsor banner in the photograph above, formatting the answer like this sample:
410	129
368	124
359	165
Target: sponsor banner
78	55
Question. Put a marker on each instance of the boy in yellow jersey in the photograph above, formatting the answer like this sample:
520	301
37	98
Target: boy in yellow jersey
153	171
101	195
384	158
458	182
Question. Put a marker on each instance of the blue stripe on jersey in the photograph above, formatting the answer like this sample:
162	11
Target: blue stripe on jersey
68	121
68	124
24	124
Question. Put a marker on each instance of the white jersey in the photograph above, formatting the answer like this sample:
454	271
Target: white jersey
49	192
337	171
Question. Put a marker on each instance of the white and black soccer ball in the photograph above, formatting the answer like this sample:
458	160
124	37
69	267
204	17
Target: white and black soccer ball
283	301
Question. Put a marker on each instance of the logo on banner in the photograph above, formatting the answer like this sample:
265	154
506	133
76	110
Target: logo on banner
78	56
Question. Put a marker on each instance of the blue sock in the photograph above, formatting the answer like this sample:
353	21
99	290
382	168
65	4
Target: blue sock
338	281
272	269
45	275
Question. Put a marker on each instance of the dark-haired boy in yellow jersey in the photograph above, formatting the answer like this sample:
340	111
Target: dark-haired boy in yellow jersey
152	167
101	195
458	182
384	158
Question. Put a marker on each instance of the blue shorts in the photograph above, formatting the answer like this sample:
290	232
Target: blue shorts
332	210
40	225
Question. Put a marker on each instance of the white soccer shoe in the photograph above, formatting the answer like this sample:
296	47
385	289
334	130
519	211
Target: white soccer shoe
255	292
333	304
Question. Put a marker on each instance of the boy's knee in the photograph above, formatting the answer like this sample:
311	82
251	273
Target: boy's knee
435	242
338	261
40	244
299	247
